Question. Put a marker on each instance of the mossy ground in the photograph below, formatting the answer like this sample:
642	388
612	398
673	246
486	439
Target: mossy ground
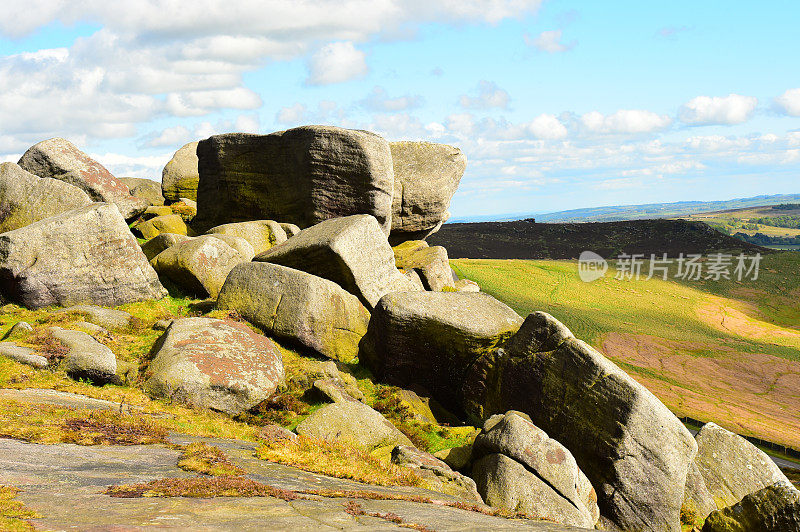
202	458
13	513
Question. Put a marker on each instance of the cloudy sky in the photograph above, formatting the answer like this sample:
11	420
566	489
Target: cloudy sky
558	104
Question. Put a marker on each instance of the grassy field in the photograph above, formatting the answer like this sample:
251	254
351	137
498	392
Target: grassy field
739	220
724	351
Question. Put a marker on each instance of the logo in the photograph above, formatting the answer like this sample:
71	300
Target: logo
591	266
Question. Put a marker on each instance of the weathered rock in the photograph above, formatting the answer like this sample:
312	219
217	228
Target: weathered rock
179	177
145	189
18	330
157	244
352	252
290	229
239	244
59	159
105	317
214	364
162	325
432	338
634	451
298	306
514	436
417	407
157	210
775	508
87	358
87	255
23	355
697	501
431	264
456	457
415	279
504	482
332	390
466	285
438	475
262	234
732	467
170	223
273	433
26	198
354	423
198	265
91	329
302	176
426	177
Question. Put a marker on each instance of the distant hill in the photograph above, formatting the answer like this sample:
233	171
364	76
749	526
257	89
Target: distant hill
639	212
526	239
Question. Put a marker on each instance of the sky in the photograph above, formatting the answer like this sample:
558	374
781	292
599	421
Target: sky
557	104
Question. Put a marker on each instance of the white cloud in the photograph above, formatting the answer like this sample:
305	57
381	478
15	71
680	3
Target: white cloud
789	102
379	100
291	115
335	63
489	95
550	42
625	121
171	136
720	110
675	167
547	127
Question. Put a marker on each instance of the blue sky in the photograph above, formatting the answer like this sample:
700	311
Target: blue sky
557	104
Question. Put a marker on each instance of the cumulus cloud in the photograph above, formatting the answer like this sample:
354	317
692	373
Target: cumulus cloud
718	110
789	102
547	127
379	100
550	42
625	121
170	137
335	63
488	95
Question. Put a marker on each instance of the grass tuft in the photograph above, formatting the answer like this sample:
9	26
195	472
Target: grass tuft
201	487
199	457
13	513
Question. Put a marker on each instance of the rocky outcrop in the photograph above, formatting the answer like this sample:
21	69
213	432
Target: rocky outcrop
431	264
199	265
432	339
775	508
350	251
145	189
634	451
170	223
87	358
156	245
426	177
302	176
732	467
180	177
59	159
554	487
262	234
86	255
297	306
214	364
26	198
438	475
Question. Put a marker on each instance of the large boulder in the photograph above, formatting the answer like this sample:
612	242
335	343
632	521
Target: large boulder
514	436
426	175
302	176
216	364
431	339
775	508
634	451
262	234
697	500
431	264
199	265
21	354
350	251
170	223
86	358
145	189
298	306
180	177
157	244
60	159
732	467
108	318
26	198
86	255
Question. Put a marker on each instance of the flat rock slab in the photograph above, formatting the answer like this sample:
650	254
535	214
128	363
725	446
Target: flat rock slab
64	483
44	396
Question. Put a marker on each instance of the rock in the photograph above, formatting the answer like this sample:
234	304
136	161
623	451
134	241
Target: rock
697	501
775	508
514	436
87	358
438	475
417	407
732	467
431	263
60	159
290	229
87	255
353	423
170	223
18	330
456	457
332	390
162	325
352	252
273	433
431	339
261	234
105	317
297	306
301	176
634	451
465	285
145	189
26	198
179	177
23	355
90	328
159	243
415	279
157	210
426	177
216	364
504	482
185	208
